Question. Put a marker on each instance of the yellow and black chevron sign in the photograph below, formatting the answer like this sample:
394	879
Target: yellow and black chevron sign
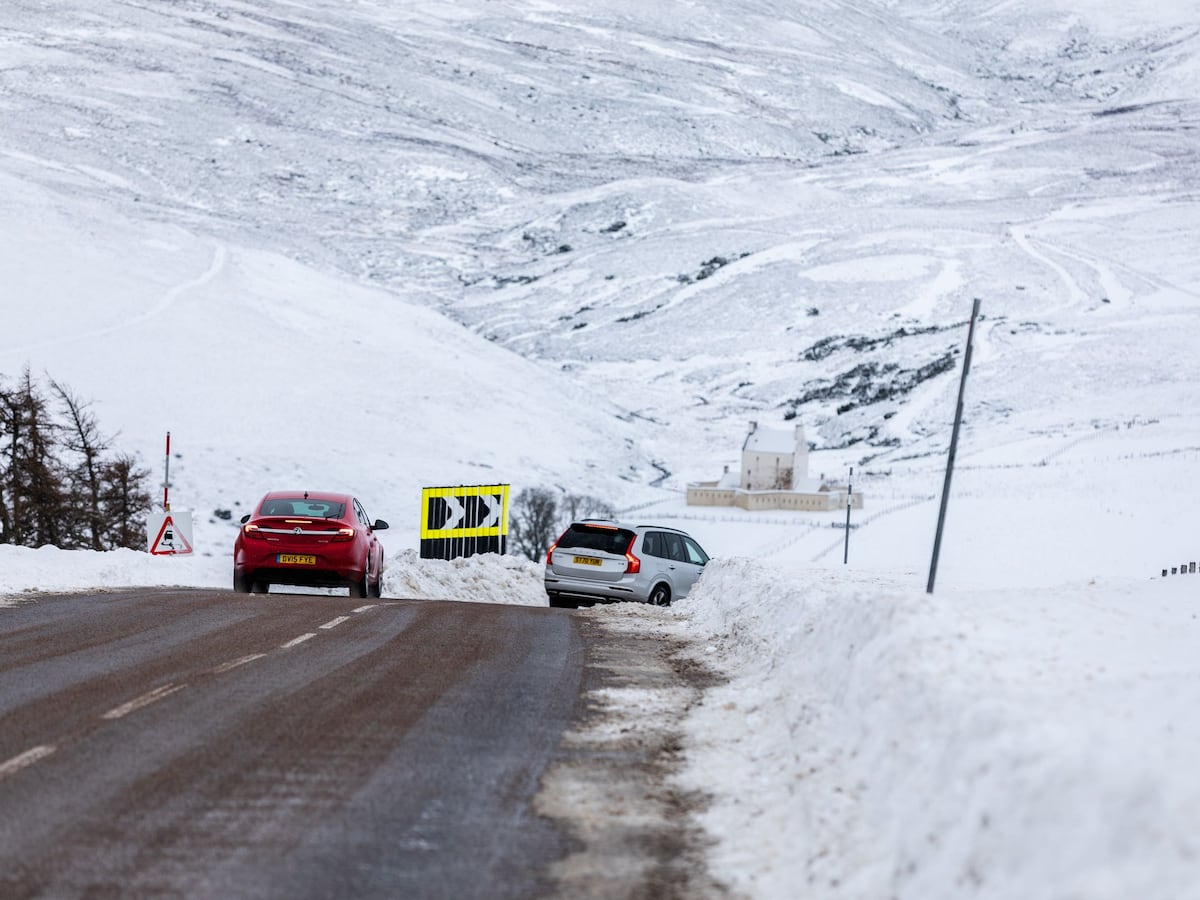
463	520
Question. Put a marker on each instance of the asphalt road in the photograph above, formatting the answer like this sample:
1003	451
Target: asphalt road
207	744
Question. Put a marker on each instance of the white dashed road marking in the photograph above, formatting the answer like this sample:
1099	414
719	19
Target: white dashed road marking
145	700
234	663
40	752
28	758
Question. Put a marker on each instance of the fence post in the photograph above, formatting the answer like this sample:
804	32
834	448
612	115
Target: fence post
849	494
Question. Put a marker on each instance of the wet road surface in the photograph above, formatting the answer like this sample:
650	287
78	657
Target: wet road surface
208	744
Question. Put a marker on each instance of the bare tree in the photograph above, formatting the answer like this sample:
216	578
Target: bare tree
576	506
534	516
540	515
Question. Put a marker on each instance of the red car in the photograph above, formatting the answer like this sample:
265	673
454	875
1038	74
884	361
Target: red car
309	538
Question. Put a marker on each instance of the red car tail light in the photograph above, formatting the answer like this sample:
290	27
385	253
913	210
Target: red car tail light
633	565
252	531
550	552
343	534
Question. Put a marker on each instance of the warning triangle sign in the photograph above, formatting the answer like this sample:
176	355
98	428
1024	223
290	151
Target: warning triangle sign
170	540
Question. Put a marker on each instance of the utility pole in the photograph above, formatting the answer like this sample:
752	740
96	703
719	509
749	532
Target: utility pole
849	493
958	412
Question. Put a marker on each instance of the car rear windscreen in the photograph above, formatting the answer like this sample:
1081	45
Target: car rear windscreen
591	537
298	506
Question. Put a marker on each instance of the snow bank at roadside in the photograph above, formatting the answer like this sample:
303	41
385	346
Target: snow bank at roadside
877	742
483	579
26	571
488	578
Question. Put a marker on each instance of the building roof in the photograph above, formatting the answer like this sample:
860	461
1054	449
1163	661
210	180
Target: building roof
771	440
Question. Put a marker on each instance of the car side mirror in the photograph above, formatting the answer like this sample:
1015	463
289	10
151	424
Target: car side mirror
379	525
245	518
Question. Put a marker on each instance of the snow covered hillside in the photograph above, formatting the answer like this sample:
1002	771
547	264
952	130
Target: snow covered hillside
382	245
687	219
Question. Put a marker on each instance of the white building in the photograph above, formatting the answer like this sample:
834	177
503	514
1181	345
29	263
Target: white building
773	460
774	475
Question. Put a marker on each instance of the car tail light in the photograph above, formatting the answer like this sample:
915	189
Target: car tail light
633	565
343	534
251	531
550	552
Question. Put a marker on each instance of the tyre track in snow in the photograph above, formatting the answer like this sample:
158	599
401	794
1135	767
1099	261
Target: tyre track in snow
169	298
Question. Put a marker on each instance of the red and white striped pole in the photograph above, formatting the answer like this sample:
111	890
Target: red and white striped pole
167	477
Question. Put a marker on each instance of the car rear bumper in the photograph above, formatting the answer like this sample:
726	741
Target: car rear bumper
298	575
591	591
330	569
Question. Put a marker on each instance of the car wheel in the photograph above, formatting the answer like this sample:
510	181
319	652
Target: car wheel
361	587
242	583
660	596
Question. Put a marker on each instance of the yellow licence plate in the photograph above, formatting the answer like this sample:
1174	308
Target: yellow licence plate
296	559
585	560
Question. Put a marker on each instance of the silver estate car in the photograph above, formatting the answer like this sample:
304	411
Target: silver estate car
601	561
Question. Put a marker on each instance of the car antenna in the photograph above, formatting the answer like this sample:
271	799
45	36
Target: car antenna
306	495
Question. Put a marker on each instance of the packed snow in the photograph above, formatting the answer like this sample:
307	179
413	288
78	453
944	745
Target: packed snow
373	248
974	743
